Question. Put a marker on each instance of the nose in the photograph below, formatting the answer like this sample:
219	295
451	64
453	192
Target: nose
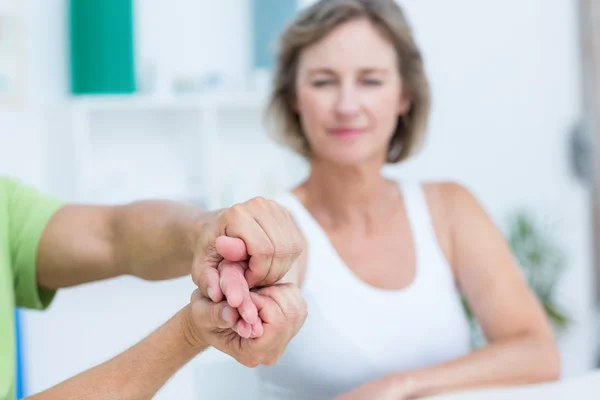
347	104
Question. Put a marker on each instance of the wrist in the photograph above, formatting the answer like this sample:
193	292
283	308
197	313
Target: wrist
201	225
195	226
192	336
407	383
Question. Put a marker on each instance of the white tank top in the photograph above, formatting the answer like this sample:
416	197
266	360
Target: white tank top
356	333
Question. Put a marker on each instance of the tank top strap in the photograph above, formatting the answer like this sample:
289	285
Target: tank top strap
431	258
319	249
416	207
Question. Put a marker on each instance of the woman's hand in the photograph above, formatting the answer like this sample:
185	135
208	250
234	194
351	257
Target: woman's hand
390	387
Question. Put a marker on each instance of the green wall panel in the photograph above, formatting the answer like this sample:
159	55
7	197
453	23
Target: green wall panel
269	18
102	46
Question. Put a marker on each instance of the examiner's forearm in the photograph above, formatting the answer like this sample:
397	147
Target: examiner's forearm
521	361
137	373
155	240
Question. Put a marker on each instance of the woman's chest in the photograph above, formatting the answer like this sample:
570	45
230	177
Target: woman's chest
386	260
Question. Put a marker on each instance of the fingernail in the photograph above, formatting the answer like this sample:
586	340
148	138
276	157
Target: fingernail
257	330
210	292
248	317
227	314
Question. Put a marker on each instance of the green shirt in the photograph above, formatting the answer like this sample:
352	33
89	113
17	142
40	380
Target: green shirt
24	213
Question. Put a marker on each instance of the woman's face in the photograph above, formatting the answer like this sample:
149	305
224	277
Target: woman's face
350	94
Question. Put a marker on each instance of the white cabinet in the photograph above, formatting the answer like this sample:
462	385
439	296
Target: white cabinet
13	52
210	149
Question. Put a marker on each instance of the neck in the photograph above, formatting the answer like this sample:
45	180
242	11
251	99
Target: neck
342	195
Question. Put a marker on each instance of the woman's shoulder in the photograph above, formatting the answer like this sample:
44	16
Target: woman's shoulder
452	202
448	194
290	201
284	197
446	200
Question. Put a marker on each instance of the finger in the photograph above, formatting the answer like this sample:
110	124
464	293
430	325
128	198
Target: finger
285	295
275	222
263	266
230	315
290	233
288	299
232	282
212	315
209	286
204	268
259	301
240	223
257	329
270	302
232	249
268	310
243	328
270	314
236	291
282	238
248	310
298	242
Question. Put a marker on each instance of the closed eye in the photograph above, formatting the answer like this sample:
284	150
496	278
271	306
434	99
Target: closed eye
322	82
373	82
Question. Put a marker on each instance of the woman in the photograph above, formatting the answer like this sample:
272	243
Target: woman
387	262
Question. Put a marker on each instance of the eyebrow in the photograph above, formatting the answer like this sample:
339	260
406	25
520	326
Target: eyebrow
366	70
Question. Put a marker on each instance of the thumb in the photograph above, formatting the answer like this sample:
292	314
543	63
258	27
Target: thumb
232	249
212	315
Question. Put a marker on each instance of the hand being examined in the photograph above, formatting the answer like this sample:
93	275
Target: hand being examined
239	307
237	294
282	312
249	245
245	305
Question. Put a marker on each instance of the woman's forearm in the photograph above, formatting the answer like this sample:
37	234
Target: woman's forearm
521	361
137	373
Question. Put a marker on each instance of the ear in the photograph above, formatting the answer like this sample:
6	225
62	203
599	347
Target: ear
404	104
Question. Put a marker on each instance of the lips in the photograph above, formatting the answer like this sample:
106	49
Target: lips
347	132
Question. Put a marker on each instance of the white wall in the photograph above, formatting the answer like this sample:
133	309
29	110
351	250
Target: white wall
187	38
47	83
505	76
506	96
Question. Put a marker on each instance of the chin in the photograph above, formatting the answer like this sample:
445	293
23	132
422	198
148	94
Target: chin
350	157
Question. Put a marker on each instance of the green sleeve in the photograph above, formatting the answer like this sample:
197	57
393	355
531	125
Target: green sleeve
29	212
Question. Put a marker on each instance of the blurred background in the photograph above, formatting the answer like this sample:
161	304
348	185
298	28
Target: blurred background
110	101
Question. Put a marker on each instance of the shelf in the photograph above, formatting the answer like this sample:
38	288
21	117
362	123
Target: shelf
213	101
209	148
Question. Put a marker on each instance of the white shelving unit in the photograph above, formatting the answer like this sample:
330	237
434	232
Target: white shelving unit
13	57
209	149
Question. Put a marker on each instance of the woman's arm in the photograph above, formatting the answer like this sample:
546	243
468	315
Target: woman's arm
521	347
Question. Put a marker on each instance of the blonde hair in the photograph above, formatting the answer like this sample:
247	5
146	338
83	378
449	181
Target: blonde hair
315	22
